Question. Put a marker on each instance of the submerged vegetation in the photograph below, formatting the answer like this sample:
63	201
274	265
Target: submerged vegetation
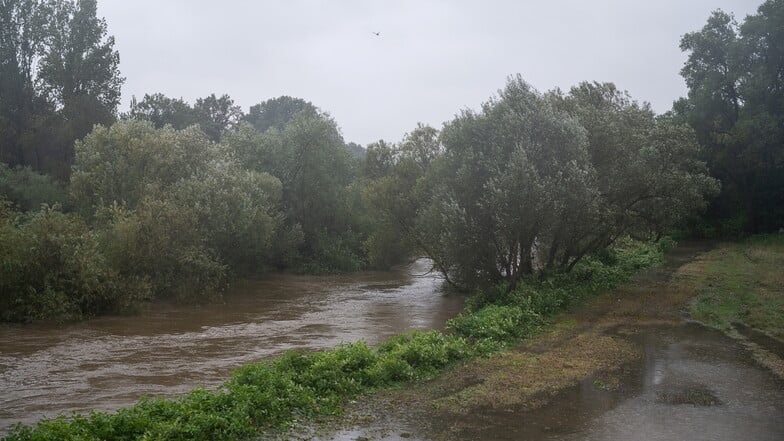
172	199
274	394
533	202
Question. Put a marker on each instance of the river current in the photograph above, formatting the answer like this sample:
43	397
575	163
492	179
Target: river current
106	363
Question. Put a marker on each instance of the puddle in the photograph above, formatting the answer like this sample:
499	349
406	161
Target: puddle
692	383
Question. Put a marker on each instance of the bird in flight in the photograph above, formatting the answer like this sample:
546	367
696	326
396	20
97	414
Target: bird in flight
377	34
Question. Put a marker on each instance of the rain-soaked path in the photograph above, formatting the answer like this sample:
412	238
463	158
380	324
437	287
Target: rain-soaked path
690	383
46	370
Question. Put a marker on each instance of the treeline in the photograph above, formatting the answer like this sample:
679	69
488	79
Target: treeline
533	183
170	200
154	213
735	76
59	76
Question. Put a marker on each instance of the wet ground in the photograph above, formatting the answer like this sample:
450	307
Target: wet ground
47	369
627	366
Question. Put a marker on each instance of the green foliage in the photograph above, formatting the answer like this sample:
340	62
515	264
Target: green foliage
212	114
275	393
183	269
60	77
501	323
28	190
333	254
533	183
53	268
131	159
277	113
308	155
736	106
424	352
147	186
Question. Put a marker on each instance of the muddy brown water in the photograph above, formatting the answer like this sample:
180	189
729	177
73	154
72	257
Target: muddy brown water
107	363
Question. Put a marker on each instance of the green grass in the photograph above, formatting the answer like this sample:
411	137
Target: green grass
744	283
277	393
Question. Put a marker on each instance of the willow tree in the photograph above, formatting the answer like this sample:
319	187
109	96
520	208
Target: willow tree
507	175
536	182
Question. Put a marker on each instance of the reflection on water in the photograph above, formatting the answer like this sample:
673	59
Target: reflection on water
692	383
110	362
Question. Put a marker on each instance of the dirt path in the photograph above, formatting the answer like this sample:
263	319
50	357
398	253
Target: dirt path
626	366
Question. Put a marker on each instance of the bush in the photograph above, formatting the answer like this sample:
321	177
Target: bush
162	242
53	268
28	190
502	323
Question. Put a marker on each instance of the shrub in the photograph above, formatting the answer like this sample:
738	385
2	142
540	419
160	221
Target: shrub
501	323
53	268
28	190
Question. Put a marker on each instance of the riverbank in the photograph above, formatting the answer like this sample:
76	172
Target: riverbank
627	365
299	386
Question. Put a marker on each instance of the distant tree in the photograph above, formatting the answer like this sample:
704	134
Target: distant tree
277	112
310	158
422	145
216	115
736	106
59	78
79	73
379	159
28	190
161	110
22	38
356	150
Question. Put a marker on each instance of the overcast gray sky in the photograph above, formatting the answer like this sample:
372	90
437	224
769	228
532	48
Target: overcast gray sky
432	58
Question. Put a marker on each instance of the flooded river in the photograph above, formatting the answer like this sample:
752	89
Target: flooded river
46	370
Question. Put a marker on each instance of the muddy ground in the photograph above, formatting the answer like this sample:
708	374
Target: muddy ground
628	365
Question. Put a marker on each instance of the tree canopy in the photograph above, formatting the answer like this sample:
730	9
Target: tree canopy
59	76
735	76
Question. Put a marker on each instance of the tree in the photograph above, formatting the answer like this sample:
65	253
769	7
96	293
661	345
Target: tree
22	37
79	73
647	171
277	112
59	78
145	187
532	182
161	110
216	115
130	160
309	157
736	106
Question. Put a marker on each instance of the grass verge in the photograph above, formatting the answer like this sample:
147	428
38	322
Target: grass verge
743	283
298	385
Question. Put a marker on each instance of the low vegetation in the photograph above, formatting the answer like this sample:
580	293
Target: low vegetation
743	284
276	393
